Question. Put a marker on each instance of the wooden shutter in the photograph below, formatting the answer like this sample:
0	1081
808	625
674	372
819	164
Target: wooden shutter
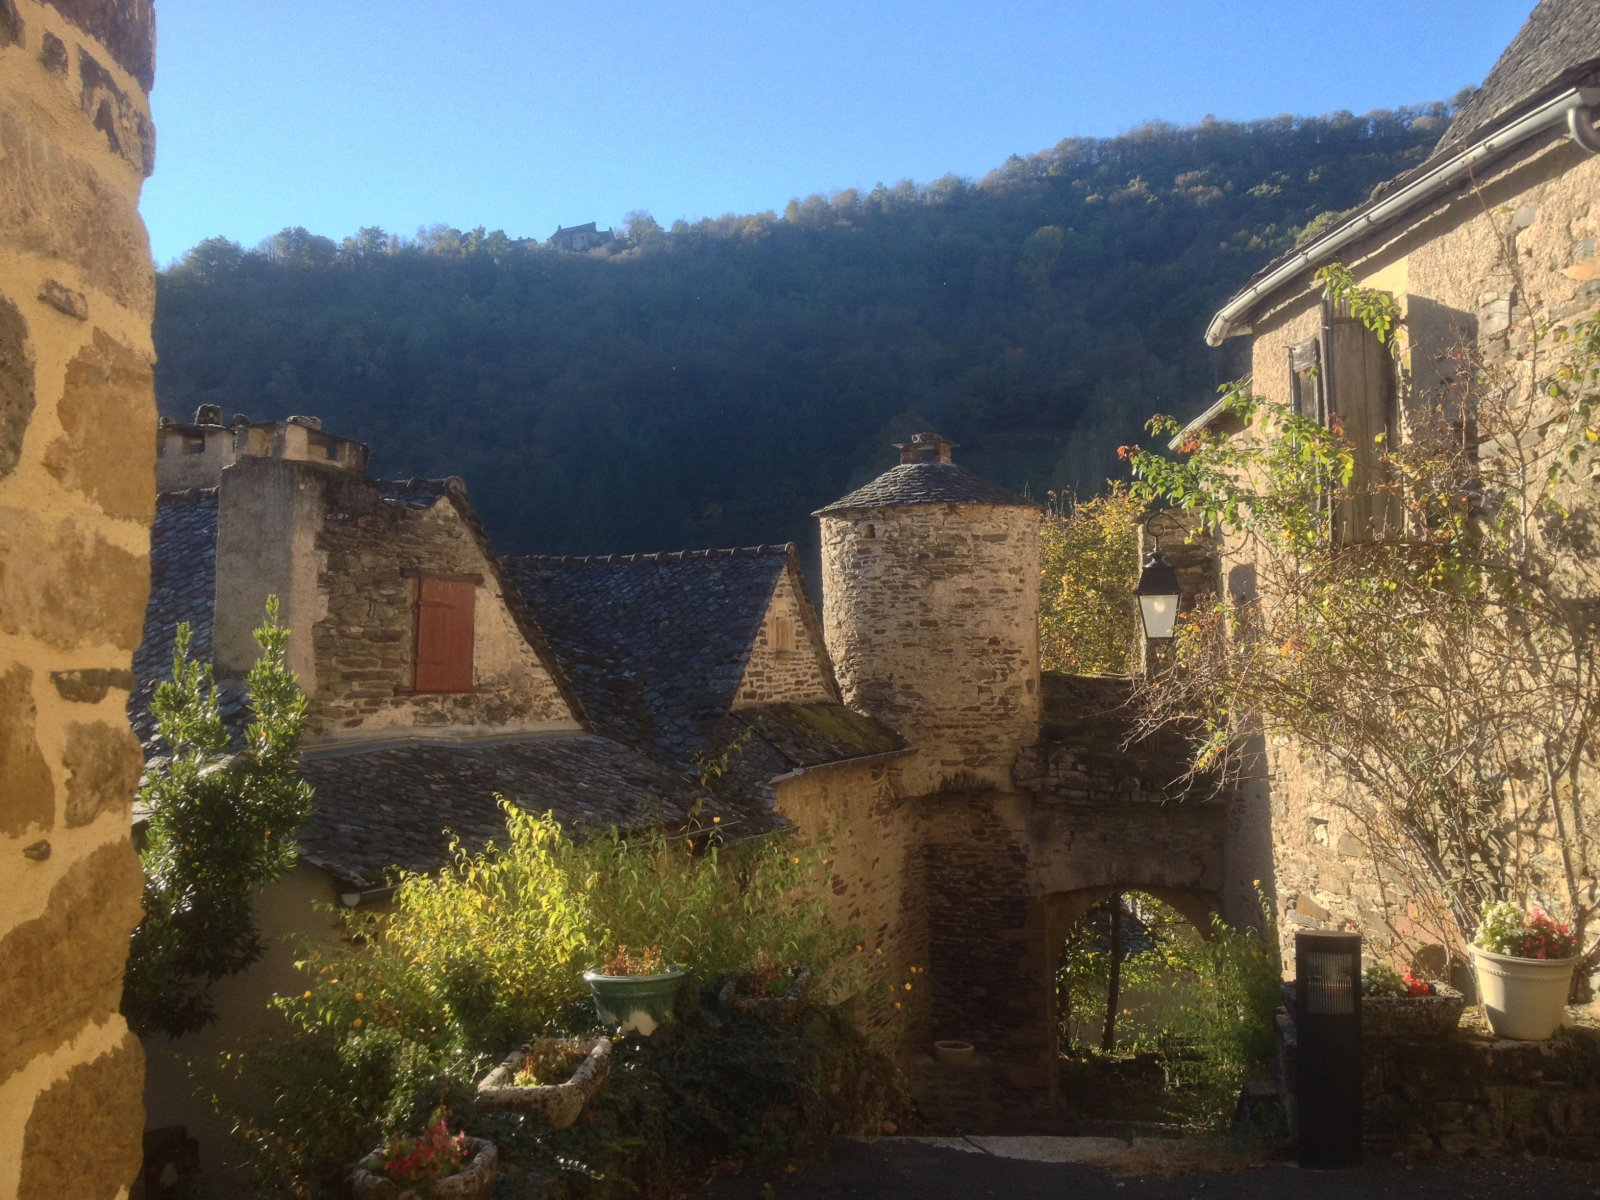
1305	379
1359	384
444	635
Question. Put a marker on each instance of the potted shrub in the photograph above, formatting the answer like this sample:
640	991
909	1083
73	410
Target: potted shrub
1396	1005
438	1165
766	988
550	1077
1524	965
635	992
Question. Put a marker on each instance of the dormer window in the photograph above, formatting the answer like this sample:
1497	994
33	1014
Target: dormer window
445	607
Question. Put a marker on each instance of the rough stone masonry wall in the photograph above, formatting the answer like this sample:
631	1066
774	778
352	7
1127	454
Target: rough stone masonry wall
364	643
872	836
77	495
1454	284
931	613
800	675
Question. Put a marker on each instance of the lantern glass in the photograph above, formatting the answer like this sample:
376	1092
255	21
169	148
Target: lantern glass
1160	614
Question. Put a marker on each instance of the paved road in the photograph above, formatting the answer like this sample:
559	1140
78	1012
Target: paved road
903	1169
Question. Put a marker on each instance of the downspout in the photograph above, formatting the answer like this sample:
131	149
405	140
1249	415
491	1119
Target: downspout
1580	125
1564	108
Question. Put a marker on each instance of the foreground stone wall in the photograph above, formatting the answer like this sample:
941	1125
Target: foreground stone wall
77	494
931	613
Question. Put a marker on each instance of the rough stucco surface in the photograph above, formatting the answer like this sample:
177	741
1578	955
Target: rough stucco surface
76	494
931	614
1454	285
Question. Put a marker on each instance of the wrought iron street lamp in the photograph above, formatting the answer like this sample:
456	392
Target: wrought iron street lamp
1158	596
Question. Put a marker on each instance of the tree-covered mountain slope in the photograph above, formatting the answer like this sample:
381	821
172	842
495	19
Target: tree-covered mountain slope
714	383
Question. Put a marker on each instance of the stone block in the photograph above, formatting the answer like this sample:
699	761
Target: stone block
27	794
83	1138
16	385
63	969
105	407
67	585
103	765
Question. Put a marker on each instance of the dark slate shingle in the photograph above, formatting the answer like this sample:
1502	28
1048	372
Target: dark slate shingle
655	644
928	483
395	806
183	584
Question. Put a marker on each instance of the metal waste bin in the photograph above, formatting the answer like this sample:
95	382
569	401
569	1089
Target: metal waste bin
1327	968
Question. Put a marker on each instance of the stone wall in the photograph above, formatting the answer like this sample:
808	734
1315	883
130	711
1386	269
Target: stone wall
77	493
931	613
871	834
1454	285
368	553
799	674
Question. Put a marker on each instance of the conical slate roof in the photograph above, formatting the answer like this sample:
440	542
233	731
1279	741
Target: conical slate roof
928	483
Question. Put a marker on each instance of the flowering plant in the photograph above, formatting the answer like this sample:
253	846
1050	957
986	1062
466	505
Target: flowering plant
766	978
437	1154
620	962
1506	929
548	1063
1383	980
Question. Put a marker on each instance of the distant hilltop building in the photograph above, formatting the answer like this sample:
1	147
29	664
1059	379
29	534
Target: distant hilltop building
581	237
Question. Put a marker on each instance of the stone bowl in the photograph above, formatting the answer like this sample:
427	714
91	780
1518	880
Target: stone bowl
475	1181
953	1053
778	1006
557	1103
1413	1016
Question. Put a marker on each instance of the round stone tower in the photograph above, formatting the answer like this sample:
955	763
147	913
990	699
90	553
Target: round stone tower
930	586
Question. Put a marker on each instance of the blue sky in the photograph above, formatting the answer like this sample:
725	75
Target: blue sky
522	115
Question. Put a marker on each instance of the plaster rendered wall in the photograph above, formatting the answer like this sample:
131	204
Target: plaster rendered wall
872	839
931	616
800	675
364	638
1451	273
285	910
77	493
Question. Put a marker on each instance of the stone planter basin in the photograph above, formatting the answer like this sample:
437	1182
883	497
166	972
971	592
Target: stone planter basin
636	1003
558	1104
954	1053
1413	1016
1523	998
475	1180
777	1006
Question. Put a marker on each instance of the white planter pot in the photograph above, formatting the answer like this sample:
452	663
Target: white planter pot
1524	998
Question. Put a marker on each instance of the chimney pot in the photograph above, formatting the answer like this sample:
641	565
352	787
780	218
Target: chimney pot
926	447
208	414
308	422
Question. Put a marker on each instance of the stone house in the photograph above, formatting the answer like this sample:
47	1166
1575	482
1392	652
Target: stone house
579	238
1515	176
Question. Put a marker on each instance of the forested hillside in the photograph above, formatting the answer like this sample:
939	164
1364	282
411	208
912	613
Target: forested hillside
713	383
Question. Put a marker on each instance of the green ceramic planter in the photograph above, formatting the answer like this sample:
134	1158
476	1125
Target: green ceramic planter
636	1003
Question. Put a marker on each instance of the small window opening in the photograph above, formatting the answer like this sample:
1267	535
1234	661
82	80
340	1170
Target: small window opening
869	532
194	445
780	634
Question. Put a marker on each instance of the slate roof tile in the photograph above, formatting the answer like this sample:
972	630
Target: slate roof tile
395	806
928	483
655	644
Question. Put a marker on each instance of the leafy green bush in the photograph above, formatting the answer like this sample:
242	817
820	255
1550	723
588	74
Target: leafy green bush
221	825
472	962
1216	1027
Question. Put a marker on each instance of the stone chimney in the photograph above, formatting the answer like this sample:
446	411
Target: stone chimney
926	447
195	454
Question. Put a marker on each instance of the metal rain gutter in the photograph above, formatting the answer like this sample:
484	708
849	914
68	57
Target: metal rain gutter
1571	108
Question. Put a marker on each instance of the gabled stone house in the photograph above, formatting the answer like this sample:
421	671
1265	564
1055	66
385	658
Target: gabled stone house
1515	176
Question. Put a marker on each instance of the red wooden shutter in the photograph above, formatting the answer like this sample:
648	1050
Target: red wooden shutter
444	635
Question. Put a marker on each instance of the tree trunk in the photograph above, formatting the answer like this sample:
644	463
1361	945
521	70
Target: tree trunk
1108	1037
